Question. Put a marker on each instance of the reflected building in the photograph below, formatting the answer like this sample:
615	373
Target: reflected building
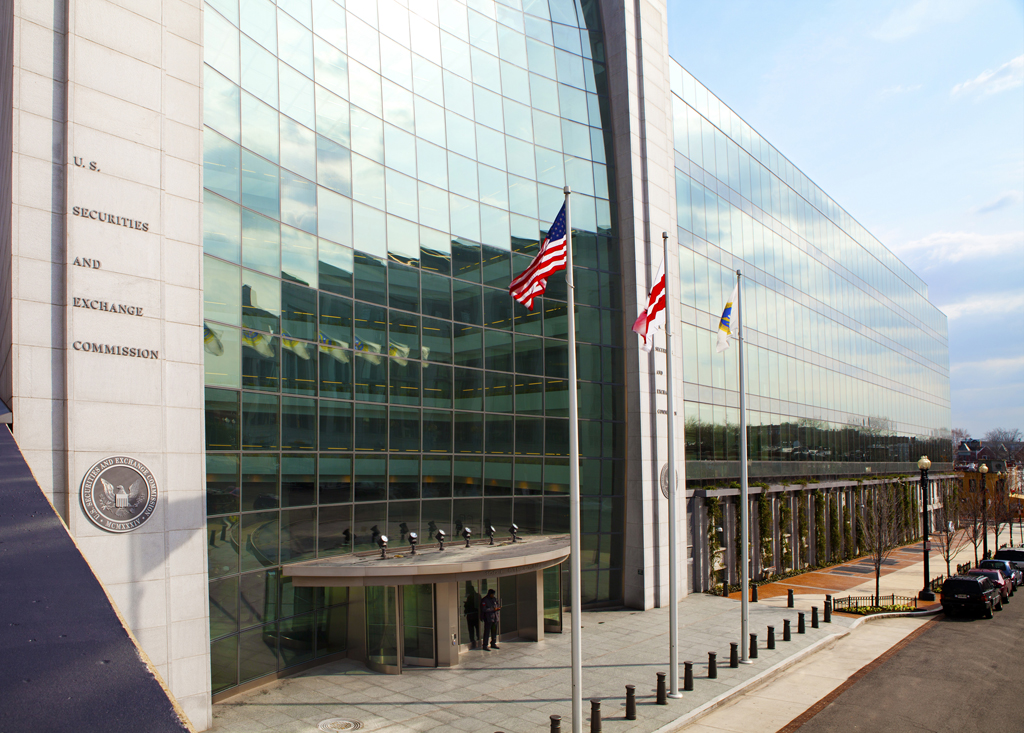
373	176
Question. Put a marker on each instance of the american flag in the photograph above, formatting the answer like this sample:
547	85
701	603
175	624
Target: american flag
652	317
551	258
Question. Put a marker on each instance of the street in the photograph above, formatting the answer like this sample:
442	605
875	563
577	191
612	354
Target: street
960	674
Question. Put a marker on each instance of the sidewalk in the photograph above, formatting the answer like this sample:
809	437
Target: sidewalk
517	688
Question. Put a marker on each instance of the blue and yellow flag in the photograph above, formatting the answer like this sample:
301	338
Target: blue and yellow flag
725	325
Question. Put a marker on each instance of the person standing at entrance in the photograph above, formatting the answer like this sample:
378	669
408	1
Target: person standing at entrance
471	608
489	608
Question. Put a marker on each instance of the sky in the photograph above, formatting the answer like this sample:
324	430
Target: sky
910	115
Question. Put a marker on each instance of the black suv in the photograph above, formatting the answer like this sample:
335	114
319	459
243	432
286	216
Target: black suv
974	593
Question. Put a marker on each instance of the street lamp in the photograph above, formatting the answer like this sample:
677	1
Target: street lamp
924	464
983	469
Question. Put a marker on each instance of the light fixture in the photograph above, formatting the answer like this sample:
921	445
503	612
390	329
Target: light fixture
440	539
514	531
414	539
382	543
490	533
466	534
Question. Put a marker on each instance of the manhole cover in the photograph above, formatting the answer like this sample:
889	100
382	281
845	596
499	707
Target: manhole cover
332	725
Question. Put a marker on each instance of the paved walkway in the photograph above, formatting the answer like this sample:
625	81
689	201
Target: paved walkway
517	688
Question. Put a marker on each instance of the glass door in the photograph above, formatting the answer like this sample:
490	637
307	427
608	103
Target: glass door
418	626
382	628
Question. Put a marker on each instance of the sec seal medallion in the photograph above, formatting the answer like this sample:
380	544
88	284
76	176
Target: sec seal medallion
119	494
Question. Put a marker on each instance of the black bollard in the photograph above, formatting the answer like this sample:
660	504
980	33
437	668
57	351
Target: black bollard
734	655
662	697
688	676
814	617
801	628
786	633
753	594
556	724
828	609
630	702
753	646
789	599
712	665
771	637
595	715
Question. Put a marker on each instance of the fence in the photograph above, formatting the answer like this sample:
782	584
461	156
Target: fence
963	568
852	602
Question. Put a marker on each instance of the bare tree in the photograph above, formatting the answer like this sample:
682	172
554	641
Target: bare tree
999	506
1003	442
972	514
883	523
959	435
951	537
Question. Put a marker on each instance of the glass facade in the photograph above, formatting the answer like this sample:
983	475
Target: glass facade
847	361
374	173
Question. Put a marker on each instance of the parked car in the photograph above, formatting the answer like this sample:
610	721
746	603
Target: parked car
1007	569
998	580
1014	554
971	593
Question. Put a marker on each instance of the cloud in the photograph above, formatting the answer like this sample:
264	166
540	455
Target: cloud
917	16
985	306
957	246
988	366
899	89
1007	199
1007	76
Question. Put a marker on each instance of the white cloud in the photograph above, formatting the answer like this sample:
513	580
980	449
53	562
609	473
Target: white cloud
988	366
914	17
1007	199
957	246
984	305
1007	76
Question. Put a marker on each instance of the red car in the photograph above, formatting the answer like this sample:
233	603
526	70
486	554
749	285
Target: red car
996	576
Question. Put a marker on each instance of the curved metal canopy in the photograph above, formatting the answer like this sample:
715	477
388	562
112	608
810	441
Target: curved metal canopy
431	565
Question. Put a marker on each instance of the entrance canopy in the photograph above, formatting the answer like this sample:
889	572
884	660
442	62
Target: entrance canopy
431	565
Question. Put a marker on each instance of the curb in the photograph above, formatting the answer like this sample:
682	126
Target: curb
757	680
778	668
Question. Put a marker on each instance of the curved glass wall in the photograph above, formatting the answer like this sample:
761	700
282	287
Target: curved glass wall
374	175
847	360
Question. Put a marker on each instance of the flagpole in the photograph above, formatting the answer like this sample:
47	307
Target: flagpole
744	501
673	550
574	489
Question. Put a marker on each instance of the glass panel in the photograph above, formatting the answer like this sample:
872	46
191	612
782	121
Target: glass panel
222	419
382	625
259	422
222	485
259	540
223	545
335	530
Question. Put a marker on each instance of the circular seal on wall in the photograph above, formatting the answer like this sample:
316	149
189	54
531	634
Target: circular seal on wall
119	494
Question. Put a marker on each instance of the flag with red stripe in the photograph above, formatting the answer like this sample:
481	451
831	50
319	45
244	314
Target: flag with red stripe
552	257
652	317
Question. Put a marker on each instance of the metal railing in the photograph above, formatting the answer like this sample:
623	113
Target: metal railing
854	602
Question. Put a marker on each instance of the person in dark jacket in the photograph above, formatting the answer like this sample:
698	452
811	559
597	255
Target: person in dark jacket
489	608
471	608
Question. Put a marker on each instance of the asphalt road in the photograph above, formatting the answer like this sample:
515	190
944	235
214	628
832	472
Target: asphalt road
959	675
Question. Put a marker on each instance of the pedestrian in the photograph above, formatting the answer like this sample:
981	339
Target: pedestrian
489	608
472	611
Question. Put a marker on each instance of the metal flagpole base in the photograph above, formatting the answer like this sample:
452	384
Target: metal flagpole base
745	661
676	695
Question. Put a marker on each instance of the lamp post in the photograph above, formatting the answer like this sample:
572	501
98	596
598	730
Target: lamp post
983	469
924	464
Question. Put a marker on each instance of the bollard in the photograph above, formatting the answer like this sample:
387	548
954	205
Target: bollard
801	628
753	594
753	646
771	637
630	702
814	617
662	698
688	676
786	633
734	655
712	665
789	599
556	724
595	715
828	609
